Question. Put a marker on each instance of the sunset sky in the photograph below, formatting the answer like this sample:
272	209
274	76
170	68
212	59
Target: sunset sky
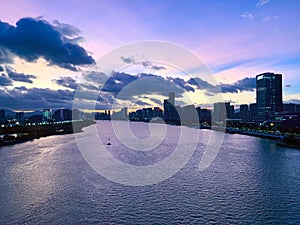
48	47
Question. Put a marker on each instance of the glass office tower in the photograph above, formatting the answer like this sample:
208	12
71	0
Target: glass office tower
268	95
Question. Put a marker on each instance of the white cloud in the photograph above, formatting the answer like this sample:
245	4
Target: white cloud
247	15
266	18
262	2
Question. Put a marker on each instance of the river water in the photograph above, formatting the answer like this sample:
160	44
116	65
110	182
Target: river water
48	181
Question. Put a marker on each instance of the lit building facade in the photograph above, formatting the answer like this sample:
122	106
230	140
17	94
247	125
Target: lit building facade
268	95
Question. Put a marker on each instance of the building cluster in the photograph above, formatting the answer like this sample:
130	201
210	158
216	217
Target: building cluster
44	116
268	109
146	114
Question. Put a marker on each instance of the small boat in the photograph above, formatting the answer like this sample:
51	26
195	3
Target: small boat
108	142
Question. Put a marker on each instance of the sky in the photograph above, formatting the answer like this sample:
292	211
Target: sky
52	52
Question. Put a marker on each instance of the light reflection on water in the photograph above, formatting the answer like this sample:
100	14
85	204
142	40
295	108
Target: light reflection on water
252	181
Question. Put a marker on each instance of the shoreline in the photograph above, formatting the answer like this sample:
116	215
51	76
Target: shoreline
279	138
20	134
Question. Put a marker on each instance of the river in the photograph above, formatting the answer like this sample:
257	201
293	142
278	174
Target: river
48	181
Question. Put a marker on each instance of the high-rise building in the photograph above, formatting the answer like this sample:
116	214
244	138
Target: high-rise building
219	114
120	115
157	112
170	112
188	115
290	107
244	113
20	116
172	98
268	95
253	112
47	114
229	110
223	111
147	114
62	115
204	115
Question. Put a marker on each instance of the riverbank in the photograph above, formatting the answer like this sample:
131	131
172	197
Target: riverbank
286	140
19	134
273	136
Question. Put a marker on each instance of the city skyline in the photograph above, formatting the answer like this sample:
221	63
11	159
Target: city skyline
268	108
237	42
149	112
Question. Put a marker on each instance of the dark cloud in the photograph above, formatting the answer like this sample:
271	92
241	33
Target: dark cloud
149	85
201	84
245	84
150	65
182	83
134	85
117	81
146	64
5	81
228	88
127	60
21	77
130	85
5	56
97	78
68	82
105	99
22	88
1	69
33	38
102	91
158	67
35	98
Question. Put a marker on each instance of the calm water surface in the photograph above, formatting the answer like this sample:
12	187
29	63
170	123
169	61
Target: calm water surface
252	181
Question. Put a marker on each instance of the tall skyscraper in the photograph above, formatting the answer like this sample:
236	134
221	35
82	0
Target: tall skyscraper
268	95
204	115
223	111
253	112
168	109
20	116
219	114
172	98
47	114
62	115
170	112
244	113
120	115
